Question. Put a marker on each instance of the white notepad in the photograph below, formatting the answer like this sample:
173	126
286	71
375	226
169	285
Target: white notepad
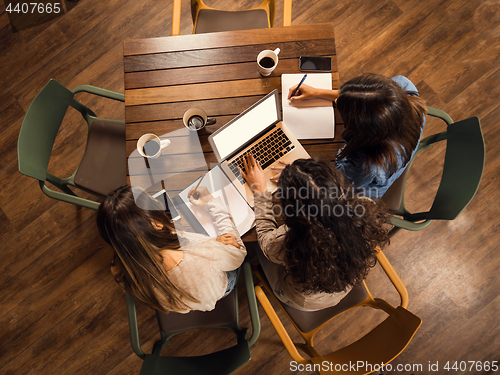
312	118
219	185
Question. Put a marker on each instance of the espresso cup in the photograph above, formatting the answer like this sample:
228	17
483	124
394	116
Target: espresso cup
195	119
150	145
267	61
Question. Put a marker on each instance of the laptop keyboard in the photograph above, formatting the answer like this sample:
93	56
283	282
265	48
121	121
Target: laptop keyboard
267	151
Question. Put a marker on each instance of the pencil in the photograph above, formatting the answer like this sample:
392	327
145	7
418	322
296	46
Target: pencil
194	191
298	86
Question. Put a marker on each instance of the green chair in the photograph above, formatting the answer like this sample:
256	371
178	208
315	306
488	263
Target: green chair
103	166
225	315
462	172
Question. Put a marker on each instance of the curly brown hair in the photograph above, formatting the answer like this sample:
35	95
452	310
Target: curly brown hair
331	247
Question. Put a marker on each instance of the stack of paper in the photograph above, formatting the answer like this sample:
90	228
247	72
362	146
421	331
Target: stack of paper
312	118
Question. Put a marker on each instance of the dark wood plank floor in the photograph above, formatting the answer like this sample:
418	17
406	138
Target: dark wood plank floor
61	311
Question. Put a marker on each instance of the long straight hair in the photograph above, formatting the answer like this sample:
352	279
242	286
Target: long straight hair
381	120
128	228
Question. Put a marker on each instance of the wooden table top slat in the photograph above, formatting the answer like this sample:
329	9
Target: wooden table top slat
151	113
213	73
211	90
167	111
227	39
223	56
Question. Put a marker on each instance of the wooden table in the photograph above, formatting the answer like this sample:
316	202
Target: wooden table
218	73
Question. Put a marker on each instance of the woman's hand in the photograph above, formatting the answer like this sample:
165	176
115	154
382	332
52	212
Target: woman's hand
228	239
304	92
308	92
280	169
202	198
255	175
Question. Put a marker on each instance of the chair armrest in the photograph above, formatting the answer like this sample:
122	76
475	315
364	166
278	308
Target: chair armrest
99	91
435	112
133	327
287	12
252	304
79	201
278	326
408	225
393	276
176	18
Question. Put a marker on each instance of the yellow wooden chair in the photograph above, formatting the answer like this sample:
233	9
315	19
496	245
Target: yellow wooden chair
381	345
208	20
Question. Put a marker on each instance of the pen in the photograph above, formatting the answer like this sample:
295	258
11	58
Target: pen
298	86
197	196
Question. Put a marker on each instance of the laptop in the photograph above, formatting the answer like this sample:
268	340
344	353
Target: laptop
260	131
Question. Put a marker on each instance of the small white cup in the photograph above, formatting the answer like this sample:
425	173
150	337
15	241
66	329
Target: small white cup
205	120
273	55
162	143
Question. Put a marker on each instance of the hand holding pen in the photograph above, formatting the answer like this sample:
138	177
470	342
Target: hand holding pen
200	195
305	92
297	88
193	193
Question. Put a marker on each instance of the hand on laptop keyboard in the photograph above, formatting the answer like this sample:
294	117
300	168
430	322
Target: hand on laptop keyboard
267	151
254	175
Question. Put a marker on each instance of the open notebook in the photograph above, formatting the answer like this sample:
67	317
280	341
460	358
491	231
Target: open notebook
312	118
219	185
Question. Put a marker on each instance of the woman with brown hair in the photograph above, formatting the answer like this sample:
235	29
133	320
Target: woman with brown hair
169	270
327	243
384	119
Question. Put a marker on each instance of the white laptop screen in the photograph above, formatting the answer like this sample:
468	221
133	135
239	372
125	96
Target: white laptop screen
244	128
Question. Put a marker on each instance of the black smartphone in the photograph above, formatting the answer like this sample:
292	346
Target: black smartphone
315	64
163	197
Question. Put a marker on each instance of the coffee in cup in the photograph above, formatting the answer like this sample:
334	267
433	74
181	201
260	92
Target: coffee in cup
267	61
195	119
151	148
150	145
196	122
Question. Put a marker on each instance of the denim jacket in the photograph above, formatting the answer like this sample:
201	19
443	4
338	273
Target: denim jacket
376	183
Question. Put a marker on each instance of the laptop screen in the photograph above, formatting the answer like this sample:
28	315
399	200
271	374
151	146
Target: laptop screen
246	126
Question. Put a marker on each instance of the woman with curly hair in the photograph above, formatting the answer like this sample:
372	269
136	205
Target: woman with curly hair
384	119
327	243
167	269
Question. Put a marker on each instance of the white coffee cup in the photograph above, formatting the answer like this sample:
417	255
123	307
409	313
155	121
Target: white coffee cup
264	61
202	120
161	144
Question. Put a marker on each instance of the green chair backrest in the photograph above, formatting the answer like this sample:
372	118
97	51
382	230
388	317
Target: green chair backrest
221	362
462	171
40	127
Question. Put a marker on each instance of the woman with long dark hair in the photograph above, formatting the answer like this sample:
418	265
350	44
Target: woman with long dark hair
169	270
384	119
327	243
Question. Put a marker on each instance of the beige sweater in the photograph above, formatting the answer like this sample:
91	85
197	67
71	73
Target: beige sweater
271	240
202	273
